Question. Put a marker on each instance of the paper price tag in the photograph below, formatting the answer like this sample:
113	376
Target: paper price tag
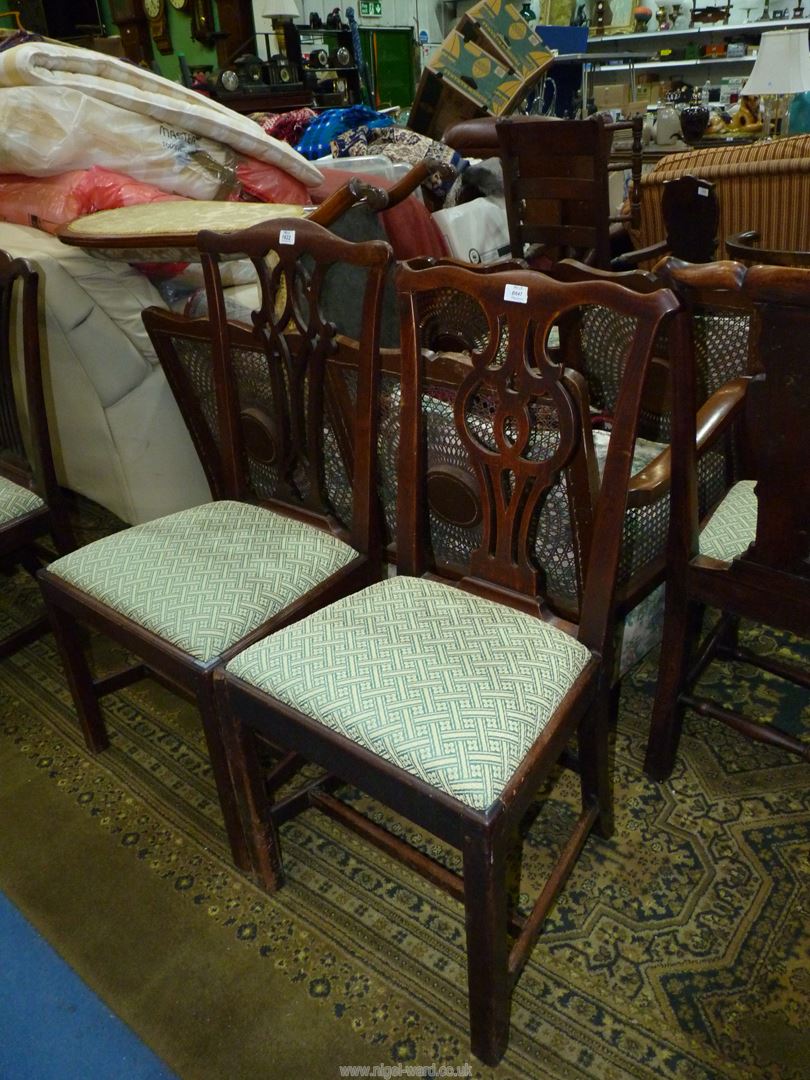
517	294
703	191
286	236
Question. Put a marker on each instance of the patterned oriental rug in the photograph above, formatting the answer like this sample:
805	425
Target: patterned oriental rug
679	949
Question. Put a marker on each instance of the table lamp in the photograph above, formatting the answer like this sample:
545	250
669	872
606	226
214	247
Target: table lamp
284	14
782	67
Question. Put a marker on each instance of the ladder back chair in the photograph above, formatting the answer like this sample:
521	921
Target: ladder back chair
31	503
556	185
451	699
752	558
185	593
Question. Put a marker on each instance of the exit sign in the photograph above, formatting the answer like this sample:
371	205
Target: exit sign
371	9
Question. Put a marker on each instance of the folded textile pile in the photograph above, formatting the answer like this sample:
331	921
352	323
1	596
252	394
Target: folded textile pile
399	144
65	108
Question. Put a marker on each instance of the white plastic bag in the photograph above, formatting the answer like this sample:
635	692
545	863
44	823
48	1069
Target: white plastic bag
44	132
476	231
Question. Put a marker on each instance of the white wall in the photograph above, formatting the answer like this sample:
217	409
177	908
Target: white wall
431	15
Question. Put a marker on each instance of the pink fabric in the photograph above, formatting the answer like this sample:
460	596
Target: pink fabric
409	227
269	184
51	201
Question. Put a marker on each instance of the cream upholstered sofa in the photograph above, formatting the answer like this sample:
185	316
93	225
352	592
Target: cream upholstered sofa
763	186
118	435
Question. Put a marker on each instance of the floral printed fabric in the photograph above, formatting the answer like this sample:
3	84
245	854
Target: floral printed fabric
289	126
399	144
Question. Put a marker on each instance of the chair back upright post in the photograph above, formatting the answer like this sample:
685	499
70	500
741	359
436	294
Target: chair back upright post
27	461
777	411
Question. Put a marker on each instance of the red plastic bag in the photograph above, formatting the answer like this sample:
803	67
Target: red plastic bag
270	184
47	202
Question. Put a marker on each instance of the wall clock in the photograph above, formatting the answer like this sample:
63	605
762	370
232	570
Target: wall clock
202	22
158	24
180	5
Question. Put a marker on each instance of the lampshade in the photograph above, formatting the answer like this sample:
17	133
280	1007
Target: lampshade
782	65
275	9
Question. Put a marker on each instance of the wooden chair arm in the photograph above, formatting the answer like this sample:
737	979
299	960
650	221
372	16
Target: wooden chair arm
631	259
652	482
416	176
328	212
742	246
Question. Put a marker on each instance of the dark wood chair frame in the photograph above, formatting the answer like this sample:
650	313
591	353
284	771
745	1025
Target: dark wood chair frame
744	247
501	569
770	582
556	185
691	217
301	344
32	469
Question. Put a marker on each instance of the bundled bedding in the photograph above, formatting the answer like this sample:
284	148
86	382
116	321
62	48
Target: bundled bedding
64	108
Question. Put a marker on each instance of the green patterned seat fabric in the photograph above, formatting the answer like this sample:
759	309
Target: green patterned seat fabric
450	687
205	577
16	501
733	525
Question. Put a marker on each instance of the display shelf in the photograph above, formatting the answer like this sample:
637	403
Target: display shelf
701	30
607	54
659	65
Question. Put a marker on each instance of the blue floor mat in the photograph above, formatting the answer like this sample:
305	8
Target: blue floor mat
52	1026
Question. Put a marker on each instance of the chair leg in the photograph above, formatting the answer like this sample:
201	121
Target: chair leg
682	623
254	803
488	976
215	738
69	635
594	762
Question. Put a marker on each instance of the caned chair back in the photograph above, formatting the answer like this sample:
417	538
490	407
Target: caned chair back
522	420
281	411
751	560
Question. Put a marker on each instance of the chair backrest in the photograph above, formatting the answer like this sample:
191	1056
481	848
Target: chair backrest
522	419
25	448
261	400
691	215
556	184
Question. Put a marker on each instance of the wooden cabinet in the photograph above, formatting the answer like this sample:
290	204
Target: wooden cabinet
130	18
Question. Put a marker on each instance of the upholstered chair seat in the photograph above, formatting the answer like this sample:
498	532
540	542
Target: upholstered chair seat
449	687
17	501
733	525
202	579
